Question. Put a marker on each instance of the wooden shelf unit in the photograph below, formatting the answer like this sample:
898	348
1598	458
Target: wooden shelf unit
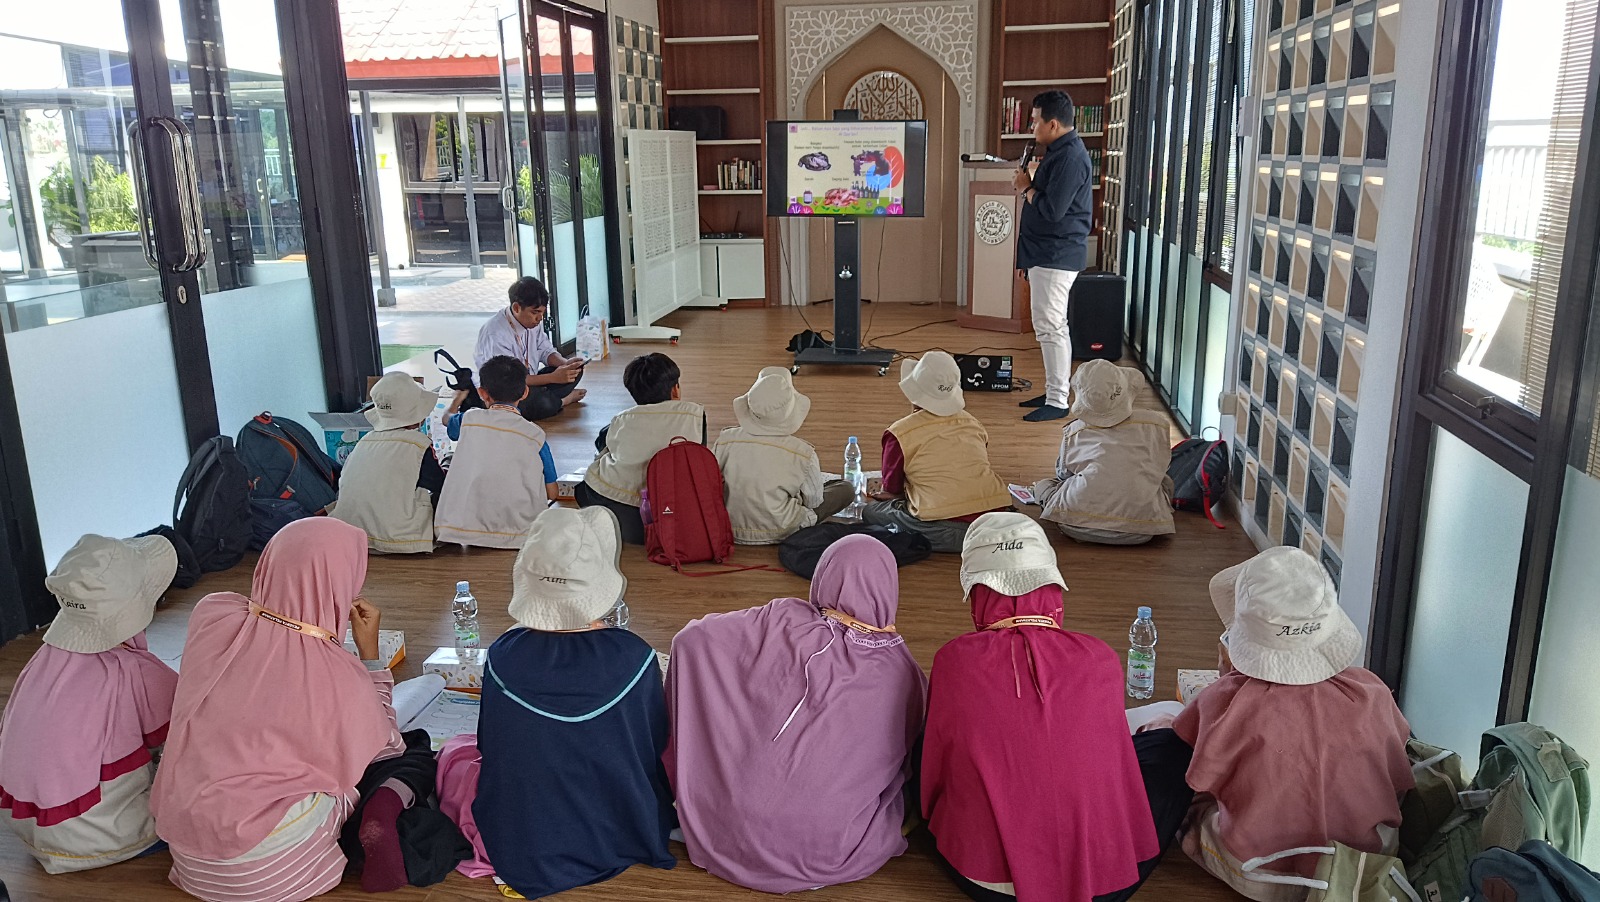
714	55
1044	44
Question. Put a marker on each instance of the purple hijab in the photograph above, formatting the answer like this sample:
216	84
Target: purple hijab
792	734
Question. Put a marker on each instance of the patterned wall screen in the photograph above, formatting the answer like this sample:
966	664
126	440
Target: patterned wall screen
640	99
884	95
1326	71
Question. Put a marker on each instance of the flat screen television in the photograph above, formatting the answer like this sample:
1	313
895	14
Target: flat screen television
846	169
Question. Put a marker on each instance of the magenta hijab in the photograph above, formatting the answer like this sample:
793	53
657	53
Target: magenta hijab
265	715
1028	771
75	720
791	733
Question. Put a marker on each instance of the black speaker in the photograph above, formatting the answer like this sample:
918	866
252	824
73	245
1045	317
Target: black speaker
708	123
1096	314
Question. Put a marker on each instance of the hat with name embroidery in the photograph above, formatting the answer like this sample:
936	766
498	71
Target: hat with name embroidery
1284	620
569	572
1010	553
933	383
108	589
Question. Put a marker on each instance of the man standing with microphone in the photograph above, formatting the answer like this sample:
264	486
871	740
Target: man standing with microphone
1052	240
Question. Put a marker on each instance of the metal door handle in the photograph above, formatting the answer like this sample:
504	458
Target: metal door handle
508	197
141	193
186	182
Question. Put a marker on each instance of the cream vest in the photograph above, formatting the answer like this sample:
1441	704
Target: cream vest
495	486
1113	478
378	492
947	469
636	434
771	484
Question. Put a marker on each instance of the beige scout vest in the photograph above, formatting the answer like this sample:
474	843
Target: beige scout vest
771	482
947	469
636	434
378	492
1112	478
495	487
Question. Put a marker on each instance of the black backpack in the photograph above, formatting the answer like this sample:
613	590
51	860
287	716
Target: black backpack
1200	476
188	572
286	463
211	511
800	552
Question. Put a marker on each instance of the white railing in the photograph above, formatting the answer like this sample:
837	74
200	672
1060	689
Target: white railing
1511	184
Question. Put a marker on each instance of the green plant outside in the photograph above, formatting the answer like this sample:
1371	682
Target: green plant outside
109	195
594	201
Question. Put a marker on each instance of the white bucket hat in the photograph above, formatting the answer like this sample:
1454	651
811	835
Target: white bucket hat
933	383
772	406
1101	394
397	400
1284	620
568	574
108	589
1009	553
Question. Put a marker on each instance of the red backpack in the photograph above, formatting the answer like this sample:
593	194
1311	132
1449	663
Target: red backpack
690	520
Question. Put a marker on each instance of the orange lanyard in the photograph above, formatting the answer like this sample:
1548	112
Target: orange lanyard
523	343
289	623
1024	620
849	622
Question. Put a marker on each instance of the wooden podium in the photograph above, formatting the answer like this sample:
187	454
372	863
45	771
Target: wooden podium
997	298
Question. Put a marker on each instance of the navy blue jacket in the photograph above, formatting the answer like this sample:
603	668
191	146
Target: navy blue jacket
1055	225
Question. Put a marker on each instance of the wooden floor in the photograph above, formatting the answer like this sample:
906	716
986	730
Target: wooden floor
720	354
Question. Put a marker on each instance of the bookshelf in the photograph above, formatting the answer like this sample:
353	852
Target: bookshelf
1060	44
712	57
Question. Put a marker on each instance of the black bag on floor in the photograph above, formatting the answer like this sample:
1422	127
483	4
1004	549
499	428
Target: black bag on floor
211	511
1200	475
800	552
188	572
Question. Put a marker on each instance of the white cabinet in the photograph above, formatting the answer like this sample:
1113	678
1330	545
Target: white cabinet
732	268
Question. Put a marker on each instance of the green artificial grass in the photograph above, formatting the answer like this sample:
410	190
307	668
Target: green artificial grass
393	354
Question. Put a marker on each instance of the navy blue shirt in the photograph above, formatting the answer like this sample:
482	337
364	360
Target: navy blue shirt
1055	225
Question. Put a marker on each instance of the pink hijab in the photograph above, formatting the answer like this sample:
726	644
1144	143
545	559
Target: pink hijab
264	715
791	733
1028	772
75	720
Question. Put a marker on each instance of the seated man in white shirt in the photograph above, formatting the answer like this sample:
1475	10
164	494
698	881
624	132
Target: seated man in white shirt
518	331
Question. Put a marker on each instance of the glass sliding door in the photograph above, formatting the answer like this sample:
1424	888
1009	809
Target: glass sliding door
255	283
82	308
563	92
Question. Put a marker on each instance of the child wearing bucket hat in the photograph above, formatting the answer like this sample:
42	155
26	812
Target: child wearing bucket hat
90	710
936	473
772	480
1031	783
1111	485
1298	745
392	476
571	789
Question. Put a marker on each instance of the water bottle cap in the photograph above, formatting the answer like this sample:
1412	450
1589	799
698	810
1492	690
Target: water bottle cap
463	586
852	440
1144	613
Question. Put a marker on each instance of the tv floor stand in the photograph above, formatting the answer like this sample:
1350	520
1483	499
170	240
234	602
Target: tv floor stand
846	349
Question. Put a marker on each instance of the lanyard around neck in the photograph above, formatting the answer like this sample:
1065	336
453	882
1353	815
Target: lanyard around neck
849	622
1024	620
289	623
520	339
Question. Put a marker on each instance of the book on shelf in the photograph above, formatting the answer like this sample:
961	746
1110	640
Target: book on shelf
1016	116
738	175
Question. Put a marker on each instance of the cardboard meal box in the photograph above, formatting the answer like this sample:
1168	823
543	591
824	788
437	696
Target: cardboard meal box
1190	682
462	677
391	646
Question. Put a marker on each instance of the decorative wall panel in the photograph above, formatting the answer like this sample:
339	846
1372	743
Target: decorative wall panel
1316	195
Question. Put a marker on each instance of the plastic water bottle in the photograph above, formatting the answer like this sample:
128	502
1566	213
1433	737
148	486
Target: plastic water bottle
465	611
1142	656
618	618
853	475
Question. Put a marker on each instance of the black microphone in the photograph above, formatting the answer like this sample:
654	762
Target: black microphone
1027	156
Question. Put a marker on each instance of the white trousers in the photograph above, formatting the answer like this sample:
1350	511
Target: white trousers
1049	290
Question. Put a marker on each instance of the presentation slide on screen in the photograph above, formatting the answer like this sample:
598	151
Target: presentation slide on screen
846	168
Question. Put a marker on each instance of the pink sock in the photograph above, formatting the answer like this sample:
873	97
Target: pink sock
385	869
